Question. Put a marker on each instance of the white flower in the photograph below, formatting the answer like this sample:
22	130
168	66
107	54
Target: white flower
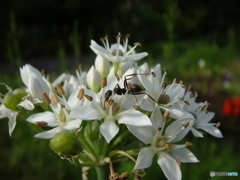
161	144
201	116
34	81
117	52
118	108
154	87
59	118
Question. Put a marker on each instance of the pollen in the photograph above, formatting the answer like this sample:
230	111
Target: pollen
104	82
178	162
41	123
186	125
60	90
166	115
117	76
189	143
80	94
46	98
90	98
137	44
55	99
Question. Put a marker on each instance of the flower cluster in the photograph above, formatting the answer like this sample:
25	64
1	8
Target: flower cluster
99	109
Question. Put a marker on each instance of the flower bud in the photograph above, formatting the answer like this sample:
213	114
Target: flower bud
34	81
94	79
102	65
11	101
66	143
20	93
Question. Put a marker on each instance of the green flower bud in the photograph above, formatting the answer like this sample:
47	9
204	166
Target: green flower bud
66	144
11	101
20	93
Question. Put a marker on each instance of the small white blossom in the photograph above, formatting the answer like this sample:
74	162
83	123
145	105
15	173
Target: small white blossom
200	114
59	118
163	96
117	52
119	108
162	145
34	81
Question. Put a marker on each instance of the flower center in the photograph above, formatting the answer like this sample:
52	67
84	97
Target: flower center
114	53
163	99
161	142
112	107
62	116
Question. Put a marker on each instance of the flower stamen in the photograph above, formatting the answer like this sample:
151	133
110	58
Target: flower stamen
80	94
46	98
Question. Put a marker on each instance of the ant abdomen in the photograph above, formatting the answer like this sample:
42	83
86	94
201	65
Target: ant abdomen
135	88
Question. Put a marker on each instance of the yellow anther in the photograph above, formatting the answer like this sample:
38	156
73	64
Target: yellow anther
189	143
41	123
90	98
166	115
46	98
55	99
104	82
60	90
178	162
80	94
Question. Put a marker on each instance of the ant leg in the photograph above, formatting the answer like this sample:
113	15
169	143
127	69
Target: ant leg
146	94
126	78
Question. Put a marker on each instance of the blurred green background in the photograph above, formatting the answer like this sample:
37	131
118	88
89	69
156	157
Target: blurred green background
197	41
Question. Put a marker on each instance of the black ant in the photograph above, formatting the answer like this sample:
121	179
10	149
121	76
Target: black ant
129	88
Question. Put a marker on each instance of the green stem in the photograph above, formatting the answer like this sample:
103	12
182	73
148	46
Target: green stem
104	150
119	139
86	144
116	66
101	174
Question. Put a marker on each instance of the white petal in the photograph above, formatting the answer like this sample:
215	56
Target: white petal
86	113
46	116
12	121
49	134
205	117
3	111
157	118
135	57
144	159
143	133
197	133
73	100
26	104
183	154
147	85
209	128
169	166
99	50
109	129
177	129
147	104
133	117
74	124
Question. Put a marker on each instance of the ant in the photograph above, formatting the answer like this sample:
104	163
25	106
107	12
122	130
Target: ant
129	88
